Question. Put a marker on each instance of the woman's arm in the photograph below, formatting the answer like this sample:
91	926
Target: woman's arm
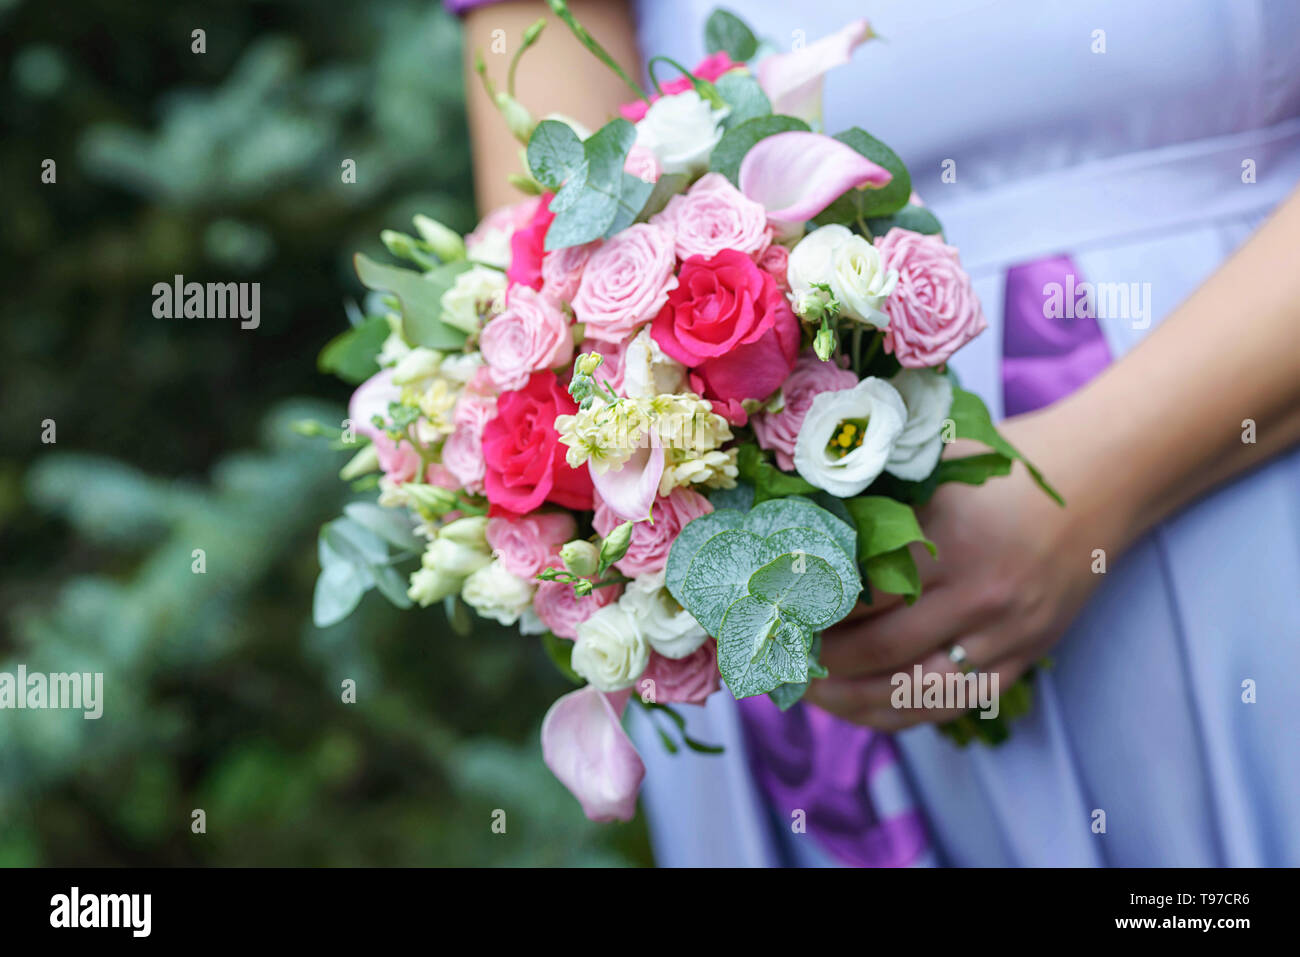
558	75
1152	433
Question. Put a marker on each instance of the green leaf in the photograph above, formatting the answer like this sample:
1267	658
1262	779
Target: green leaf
587	207
768	480
719	575
560	651
916	218
1013	702
740	498
775	515
800	586
391	524
665	188
870	203
814	542
726	31
338	592
690	539
758	651
391	583
788	695
351	354
738	141
894	572
884	525
420	296
633	196
972	420
555	154
745	97
354	543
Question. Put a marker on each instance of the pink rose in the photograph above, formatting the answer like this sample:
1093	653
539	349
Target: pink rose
688	680
529	543
811	377
626	281
651	541
562	271
712	216
610	371
562	612
531	335
585	746
643	163
775	261
710	68
527	247
730	325
933	310
462	453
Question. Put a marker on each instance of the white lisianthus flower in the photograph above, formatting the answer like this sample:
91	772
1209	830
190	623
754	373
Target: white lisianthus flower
810	260
681	130
495	593
478	294
860	281
670	629
648	371
928	397
848	436
610	651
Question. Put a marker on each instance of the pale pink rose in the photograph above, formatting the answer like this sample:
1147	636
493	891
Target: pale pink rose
528	544
531	335
626	282
562	271
778	431
490	240
651	543
687	680
611	370
775	261
462	453
586	748
933	311
642	163
480	383
562	612
398	461
712	216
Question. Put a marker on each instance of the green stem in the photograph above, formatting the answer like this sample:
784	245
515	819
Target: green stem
877	338
530	37
562	11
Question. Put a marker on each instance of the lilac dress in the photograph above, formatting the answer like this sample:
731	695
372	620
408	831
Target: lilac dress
1128	144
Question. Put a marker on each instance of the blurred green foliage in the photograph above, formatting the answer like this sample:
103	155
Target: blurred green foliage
173	435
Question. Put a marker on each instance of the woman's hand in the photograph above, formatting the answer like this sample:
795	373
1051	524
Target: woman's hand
1013	568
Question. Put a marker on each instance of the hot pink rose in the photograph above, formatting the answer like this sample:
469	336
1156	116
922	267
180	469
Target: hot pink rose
585	746
562	271
529	543
775	261
730	325
626	281
712	216
462	453
525	458
811	377
933	310
562	612
651	541
531	335
688	680
527	247
710	68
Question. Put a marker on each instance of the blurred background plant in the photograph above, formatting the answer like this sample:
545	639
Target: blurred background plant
174	435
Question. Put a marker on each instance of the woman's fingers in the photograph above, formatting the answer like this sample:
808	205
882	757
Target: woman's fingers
900	636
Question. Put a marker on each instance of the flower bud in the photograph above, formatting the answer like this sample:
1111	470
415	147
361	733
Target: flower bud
810	306
429	585
405	247
470	530
446	243
582	588
452	558
580	558
363	463
587	363
419	363
432	498
517	117
824	342
615	545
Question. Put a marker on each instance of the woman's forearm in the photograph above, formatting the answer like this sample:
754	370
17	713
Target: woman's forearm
1168	423
558	75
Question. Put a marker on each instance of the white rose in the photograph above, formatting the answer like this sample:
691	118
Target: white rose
928	397
810	260
860	280
681	130
495	593
671	629
870	416
477	294
610	650
648	372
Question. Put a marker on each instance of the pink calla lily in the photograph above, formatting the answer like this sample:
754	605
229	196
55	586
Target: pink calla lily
796	175
585	746
631	490
793	81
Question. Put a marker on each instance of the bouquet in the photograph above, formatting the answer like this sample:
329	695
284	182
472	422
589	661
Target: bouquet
672	413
